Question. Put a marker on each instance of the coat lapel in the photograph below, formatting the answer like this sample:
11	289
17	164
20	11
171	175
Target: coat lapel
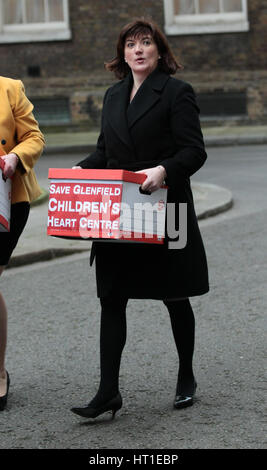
147	96
121	116
116	109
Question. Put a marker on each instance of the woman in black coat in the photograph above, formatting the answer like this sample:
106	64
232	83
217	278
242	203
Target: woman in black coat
150	124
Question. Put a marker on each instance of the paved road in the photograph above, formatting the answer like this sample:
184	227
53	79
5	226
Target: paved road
242	169
53	341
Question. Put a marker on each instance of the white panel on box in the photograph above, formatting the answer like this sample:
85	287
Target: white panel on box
5	201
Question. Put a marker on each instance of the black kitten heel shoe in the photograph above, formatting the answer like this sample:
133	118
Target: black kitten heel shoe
3	400
183	401
90	411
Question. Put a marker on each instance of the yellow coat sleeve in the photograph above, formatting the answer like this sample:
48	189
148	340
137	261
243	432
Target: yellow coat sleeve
20	134
30	140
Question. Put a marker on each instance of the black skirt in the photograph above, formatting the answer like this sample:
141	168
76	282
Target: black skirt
139	271
8	240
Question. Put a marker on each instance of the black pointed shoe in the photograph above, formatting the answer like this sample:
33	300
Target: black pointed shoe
90	411
183	401
3	400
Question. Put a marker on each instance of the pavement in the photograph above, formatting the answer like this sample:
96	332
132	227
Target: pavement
34	244
224	135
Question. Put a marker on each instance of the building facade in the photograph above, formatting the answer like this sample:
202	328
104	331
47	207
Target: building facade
58	48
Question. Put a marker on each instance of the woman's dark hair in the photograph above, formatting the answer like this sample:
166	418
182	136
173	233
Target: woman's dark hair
167	62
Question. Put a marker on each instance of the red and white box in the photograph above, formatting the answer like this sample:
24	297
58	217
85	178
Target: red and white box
105	205
5	200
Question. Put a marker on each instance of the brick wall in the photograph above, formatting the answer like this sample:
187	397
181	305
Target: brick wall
95	26
75	68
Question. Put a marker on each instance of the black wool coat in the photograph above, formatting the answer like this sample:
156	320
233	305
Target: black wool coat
159	127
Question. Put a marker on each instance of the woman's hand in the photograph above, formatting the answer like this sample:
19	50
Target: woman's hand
155	178
11	161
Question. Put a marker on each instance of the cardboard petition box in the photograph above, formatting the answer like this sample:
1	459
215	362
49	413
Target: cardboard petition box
104	205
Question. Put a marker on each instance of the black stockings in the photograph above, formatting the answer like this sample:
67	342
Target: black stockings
112	341
183	328
113	338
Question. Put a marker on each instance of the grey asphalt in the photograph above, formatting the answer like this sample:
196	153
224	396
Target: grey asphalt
54	331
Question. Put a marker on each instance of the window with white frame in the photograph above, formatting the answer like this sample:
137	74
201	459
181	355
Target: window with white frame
205	16
34	20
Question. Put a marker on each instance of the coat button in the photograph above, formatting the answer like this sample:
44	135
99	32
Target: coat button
3	142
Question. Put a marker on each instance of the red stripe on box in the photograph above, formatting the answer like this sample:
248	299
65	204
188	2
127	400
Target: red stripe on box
4	222
67	173
130	237
122	175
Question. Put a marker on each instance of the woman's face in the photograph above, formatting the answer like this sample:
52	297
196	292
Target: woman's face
141	54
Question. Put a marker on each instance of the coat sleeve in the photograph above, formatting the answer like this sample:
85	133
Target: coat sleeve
97	159
190	152
30	140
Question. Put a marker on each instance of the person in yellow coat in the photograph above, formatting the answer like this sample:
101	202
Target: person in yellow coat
21	144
